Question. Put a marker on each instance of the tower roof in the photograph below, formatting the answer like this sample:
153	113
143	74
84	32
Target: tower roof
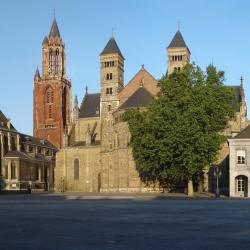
37	74
111	48
54	31
45	40
178	41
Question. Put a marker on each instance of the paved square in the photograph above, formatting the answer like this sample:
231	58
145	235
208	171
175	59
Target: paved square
54	222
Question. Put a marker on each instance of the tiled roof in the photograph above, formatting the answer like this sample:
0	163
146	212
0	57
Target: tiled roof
4	120
244	134
178	41
238	92
140	98
90	106
111	47
27	139
25	155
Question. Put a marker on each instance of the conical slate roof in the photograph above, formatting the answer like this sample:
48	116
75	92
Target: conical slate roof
45	40
178	41
37	74
111	48
54	31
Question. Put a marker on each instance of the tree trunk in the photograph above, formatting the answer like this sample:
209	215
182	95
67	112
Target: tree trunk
190	187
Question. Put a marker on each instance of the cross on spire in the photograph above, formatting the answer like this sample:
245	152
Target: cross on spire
178	25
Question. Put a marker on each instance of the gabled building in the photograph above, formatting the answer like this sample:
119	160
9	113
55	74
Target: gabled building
25	161
239	164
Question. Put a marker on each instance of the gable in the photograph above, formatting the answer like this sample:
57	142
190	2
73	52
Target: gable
142	77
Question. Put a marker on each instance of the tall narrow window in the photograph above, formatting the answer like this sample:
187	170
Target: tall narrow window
13	171
76	169
49	97
50	61
57	61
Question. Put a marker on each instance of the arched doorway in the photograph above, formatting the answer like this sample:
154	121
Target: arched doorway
241	186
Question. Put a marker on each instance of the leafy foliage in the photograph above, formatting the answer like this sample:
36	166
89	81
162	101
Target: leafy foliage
180	133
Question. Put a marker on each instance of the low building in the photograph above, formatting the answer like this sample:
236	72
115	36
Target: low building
25	161
239	164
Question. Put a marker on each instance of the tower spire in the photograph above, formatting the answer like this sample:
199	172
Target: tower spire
54	31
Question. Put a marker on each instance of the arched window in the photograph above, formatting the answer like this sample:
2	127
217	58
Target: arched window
49	100
57	61
13	171
76	169
50	61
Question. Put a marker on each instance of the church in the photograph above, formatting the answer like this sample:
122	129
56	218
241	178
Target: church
94	154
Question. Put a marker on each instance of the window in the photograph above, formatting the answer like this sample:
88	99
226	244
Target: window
39	150
50	61
49	95
240	184
30	149
57	61
76	169
50	111
13	171
241	156
109	76
109	107
6	171
109	91
49	103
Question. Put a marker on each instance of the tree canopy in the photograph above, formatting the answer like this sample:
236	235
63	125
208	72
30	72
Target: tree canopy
180	132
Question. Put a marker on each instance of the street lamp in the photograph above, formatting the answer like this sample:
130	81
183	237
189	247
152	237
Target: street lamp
217	174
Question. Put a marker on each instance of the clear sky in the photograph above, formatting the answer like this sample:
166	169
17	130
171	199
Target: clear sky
215	31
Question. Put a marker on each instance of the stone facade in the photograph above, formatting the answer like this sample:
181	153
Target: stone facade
25	161
239	164
97	155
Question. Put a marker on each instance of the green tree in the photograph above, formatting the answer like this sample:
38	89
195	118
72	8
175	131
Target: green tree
180	133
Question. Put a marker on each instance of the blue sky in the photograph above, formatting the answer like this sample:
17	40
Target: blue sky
215	31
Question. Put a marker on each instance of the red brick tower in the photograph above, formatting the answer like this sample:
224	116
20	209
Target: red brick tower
52	91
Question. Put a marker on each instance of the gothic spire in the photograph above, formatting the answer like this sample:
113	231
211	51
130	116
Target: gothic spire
54	31
37	74
76	102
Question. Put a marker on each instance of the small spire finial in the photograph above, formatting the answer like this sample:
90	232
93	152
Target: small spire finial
54	13
112	32
241	80
142	66
178	25
86	89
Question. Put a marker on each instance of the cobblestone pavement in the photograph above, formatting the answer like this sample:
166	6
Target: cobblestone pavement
75	221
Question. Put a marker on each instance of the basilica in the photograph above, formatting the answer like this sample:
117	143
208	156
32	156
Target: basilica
93	141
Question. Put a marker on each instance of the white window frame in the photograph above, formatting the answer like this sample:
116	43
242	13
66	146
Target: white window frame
241	156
